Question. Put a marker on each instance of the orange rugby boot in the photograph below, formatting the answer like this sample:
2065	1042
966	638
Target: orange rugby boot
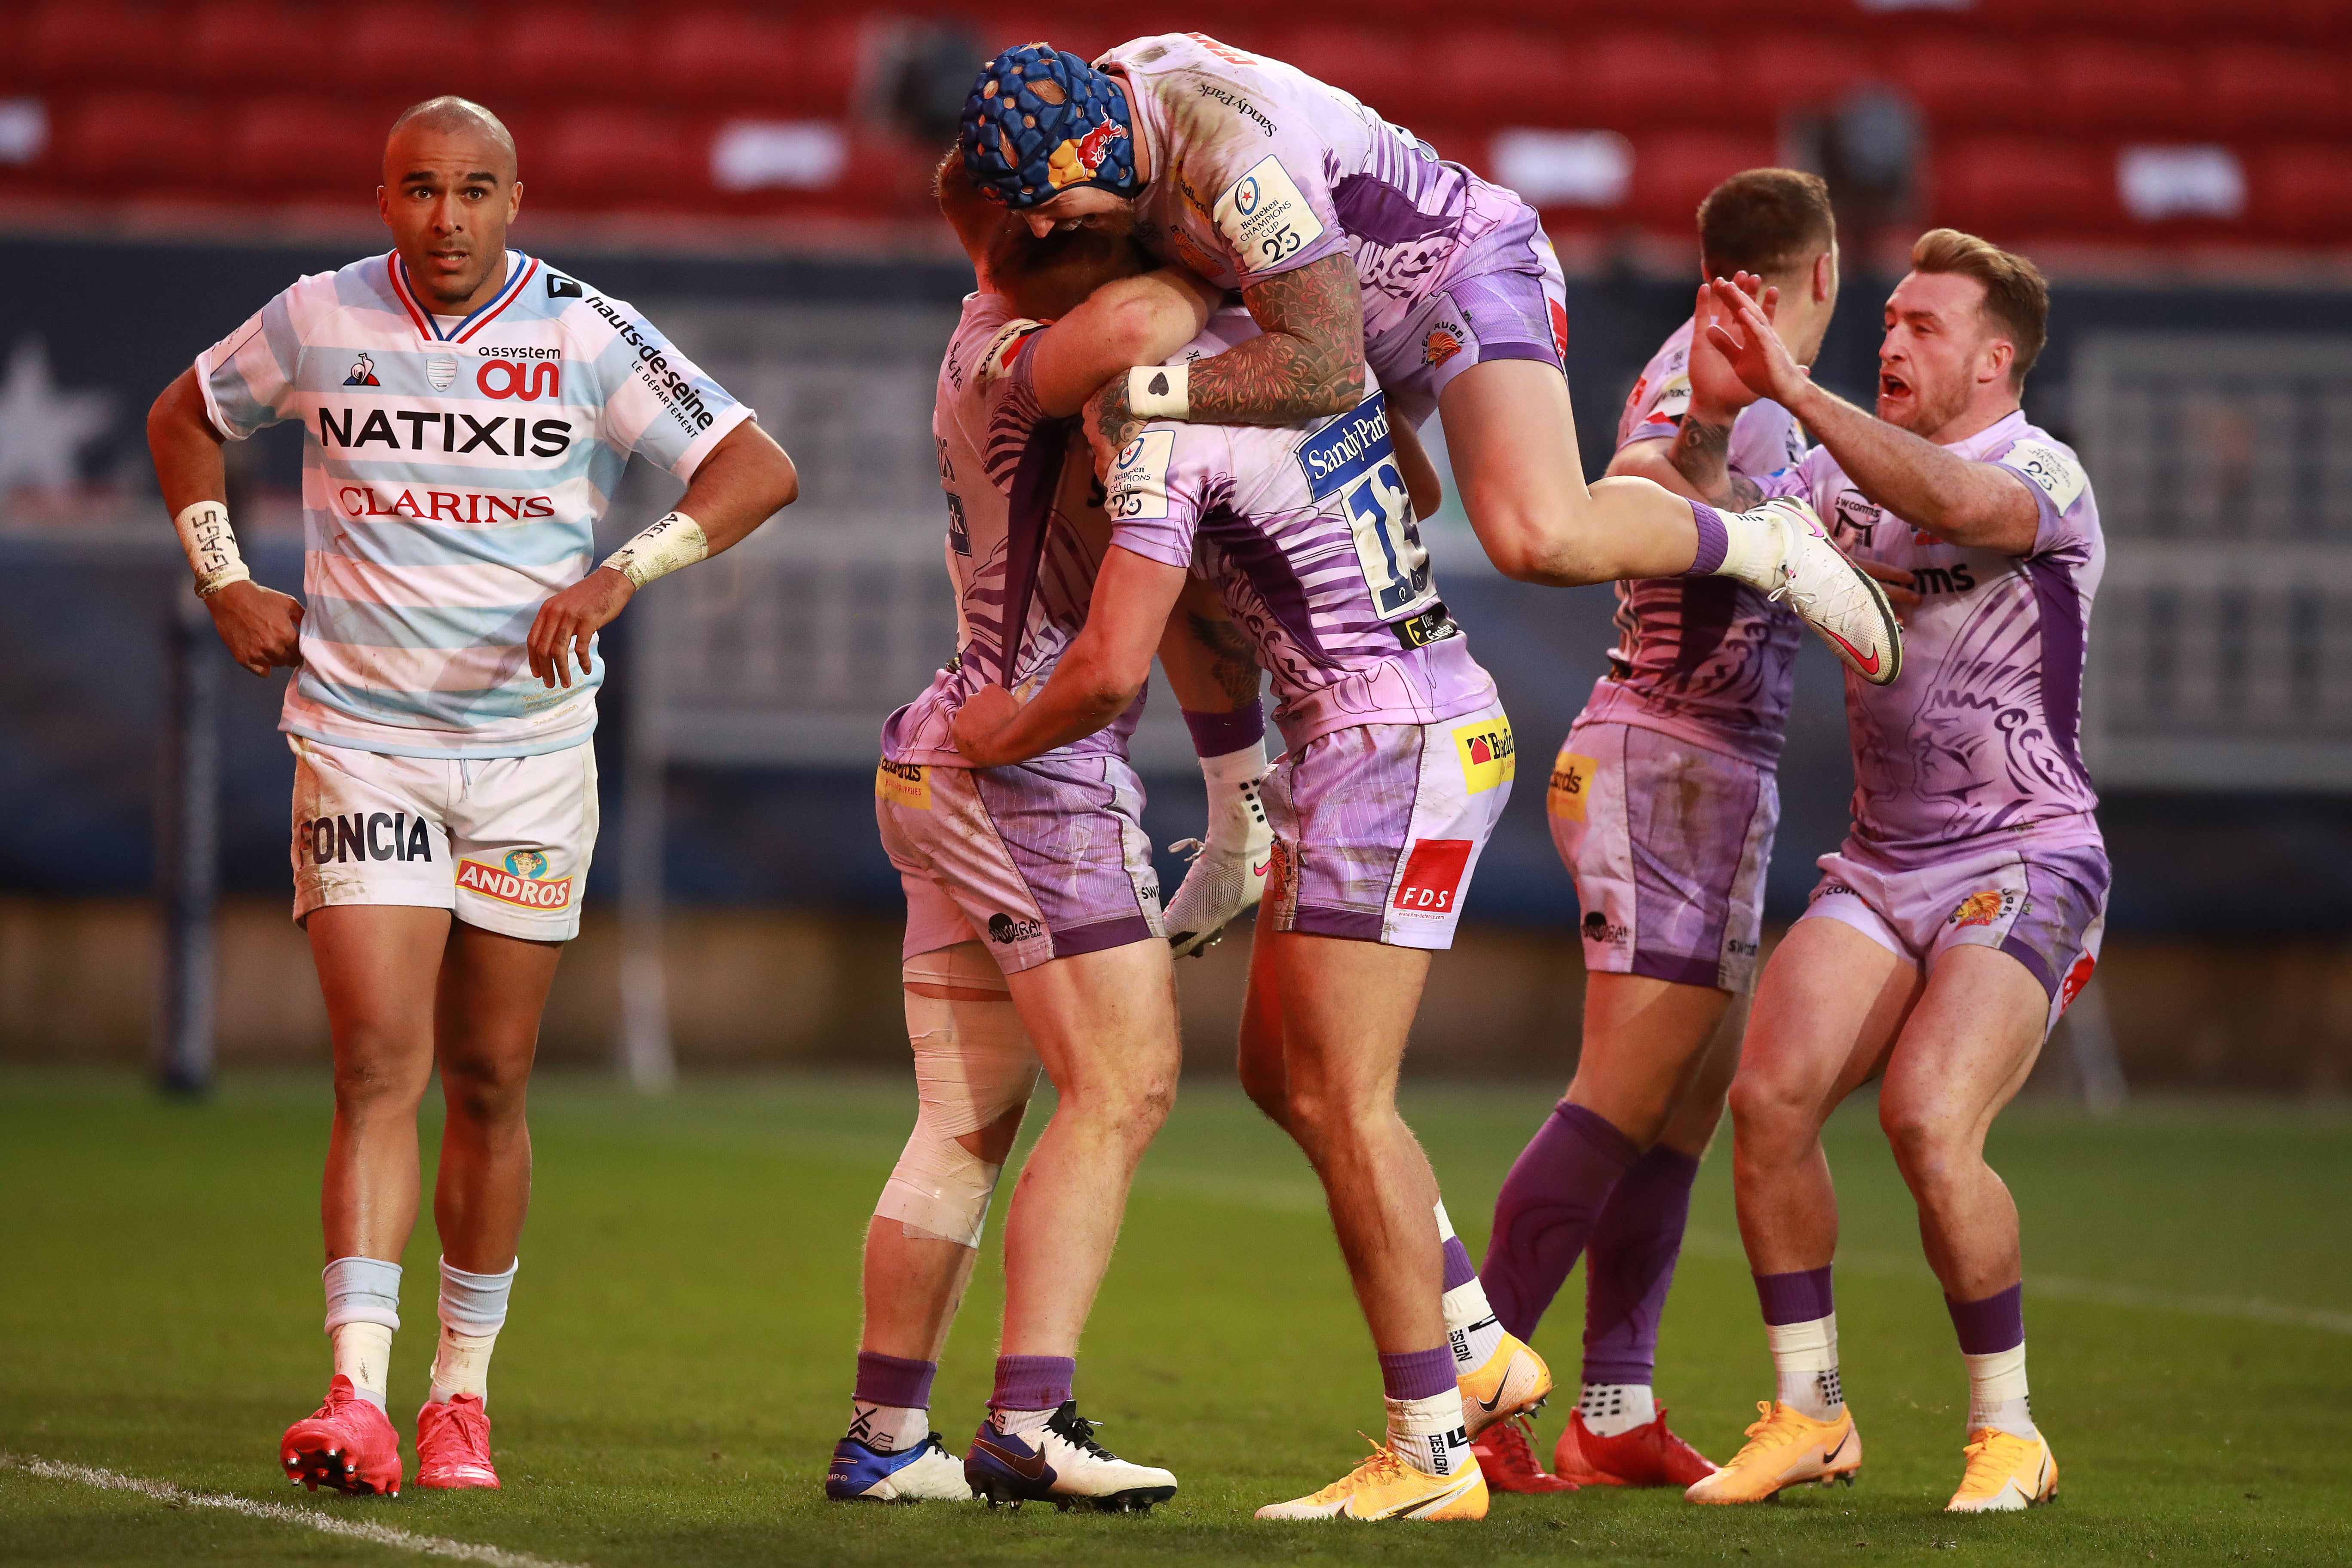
1514	1382
347	1444
1385	1486
2006	1473
452	1445
1648	1455
1786	1448
1507	1459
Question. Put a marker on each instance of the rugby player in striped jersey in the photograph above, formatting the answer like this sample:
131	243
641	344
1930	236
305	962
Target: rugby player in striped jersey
468	410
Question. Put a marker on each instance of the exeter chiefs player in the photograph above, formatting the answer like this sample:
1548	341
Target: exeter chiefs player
1354	245
1663	804
1032	919
1399	761
468	410
1965	908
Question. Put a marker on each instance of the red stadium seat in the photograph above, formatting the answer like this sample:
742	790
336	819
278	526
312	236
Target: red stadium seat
567	53
1528	75
2252	89
1964	83
72	42
1084	33
281	149
1674	171
1635	81
719	59
138	141
1380	67
1810	72
2003	187
414	49
2106	87
248	43
2303	193
618	156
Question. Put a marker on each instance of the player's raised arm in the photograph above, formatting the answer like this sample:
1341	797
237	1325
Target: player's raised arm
1967	503
1126	321
1698	459
261	628
745	479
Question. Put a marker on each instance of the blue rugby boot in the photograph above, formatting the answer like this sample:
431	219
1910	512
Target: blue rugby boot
924	1473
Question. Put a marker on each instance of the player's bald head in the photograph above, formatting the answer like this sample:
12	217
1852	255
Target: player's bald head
449	120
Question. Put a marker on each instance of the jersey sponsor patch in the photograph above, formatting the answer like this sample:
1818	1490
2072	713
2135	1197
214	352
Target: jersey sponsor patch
2058	476
1138	479
1264	217
903	783
1004	348
1572	785
522	882
1433	876
1489	756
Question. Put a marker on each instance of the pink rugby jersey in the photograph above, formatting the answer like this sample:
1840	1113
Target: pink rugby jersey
986	416
1708	660
1980	736
1308	536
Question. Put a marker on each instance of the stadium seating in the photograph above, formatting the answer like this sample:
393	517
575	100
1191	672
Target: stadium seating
2030	108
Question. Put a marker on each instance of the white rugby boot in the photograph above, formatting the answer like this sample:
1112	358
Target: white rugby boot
1228	871
1062	1464
924	1473
1843	604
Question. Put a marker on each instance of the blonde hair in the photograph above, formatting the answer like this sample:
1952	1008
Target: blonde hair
2016	295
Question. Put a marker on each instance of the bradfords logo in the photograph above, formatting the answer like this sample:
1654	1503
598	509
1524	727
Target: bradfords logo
523	882
1489	756
1345	449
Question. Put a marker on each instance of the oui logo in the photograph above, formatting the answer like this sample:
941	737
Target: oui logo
504	378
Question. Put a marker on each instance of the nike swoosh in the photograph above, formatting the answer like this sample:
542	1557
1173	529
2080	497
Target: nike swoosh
1259	869
1868	664
1488	1405
1833	1454
1029	1469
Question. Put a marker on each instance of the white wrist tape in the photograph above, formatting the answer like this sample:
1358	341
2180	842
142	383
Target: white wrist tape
1160	390
211	547
676	541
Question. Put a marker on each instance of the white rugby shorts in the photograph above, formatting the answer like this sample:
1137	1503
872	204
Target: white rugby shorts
503	842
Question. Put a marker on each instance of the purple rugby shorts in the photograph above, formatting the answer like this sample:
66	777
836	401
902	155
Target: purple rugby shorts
1667	843
1038	861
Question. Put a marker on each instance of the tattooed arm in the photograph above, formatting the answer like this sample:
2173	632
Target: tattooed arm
1700	457
1308	360
1209	663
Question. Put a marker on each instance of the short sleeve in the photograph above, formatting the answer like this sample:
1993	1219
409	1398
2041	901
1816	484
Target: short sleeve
2054	478
1154	505
1269	203
656	403
248	376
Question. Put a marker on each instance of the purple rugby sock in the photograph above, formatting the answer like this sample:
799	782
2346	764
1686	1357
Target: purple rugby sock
1034	1382
894	1381
1799	1296
1991	1325
1714	541
1546	1211
1630	1266
1458	1271
1417	1374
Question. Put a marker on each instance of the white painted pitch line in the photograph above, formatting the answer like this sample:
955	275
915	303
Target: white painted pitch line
310	1518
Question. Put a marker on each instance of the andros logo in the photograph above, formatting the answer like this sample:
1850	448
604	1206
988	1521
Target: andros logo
522	882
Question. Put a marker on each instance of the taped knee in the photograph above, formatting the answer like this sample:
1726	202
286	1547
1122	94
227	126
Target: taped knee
973	1064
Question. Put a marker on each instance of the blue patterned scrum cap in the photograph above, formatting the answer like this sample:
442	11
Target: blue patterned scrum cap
1040	121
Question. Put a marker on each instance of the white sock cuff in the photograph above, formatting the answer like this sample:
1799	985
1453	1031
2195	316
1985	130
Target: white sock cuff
1246	765
1444	1223
361	1290
474	1303
1996	1376
1814	1337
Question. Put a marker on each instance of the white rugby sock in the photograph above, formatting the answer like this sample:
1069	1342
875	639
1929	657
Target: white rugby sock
1805	1361
461	1364
1611	1408
1020	1423
473	1309
890	1428
363	1355
1751	549
1428	1434
1471	1329
1997	1392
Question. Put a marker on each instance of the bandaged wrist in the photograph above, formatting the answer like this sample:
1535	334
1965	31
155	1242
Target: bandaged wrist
211	547
1216	735
676	541
1160	390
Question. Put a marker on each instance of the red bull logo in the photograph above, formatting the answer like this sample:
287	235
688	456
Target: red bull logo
1077	160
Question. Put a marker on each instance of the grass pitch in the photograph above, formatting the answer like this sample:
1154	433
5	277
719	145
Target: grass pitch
678	1361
